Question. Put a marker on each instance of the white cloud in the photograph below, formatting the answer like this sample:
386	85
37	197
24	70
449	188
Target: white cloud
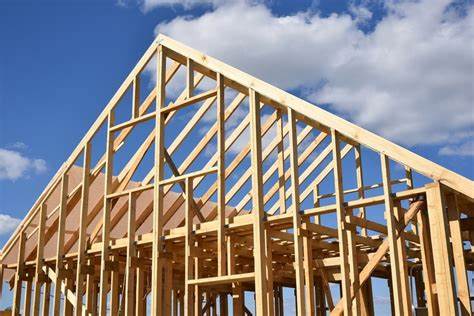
8	223
14	165
466	149
410	79
19	145
148	5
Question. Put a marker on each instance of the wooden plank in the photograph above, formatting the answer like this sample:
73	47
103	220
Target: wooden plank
19	274
39	280
295	197
281	163
104	258
395	265
81	250
360	183
462	283
157	264
427	262
341	225
401	248
188	260
269	271
27	302
136	97
131	254
442	253
46	299
193	100
244	277
258	207
60	244
221	246
140	303
237	291
309	275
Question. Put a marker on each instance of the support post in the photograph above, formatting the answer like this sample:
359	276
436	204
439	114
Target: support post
104	258
19	273
341	224
261	306
82	239
442	253
221	247
297	232
462	284
157	245
39	274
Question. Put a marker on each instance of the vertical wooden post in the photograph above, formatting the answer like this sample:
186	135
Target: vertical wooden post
462	283
427	262
157	260
189	78
82	239
136	97
297	233
188	259
441	250
19	273
1	279
131	255
261	305
221	247
360	184
60	244
168	287
341	226
269	271
401	248
395	264
114	286
68	307
91	295
281	163
104	258
309	275
46	298
27	303
237	292
140	288
39	274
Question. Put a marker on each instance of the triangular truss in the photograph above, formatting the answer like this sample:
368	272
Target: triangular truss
212	183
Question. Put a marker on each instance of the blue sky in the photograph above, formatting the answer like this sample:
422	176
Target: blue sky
402	69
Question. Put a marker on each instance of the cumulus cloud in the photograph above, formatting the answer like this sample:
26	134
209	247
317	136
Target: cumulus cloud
8	223
409	79
14	165
466	149
148	5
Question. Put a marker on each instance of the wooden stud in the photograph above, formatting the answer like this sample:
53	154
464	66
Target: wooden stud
131	254
442	253
221	246
19	274
39	260
157	260
258	208
341	224
188	260
462	283
104	259
81	250
295	196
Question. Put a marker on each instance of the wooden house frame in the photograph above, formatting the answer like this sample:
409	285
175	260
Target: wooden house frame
97	241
